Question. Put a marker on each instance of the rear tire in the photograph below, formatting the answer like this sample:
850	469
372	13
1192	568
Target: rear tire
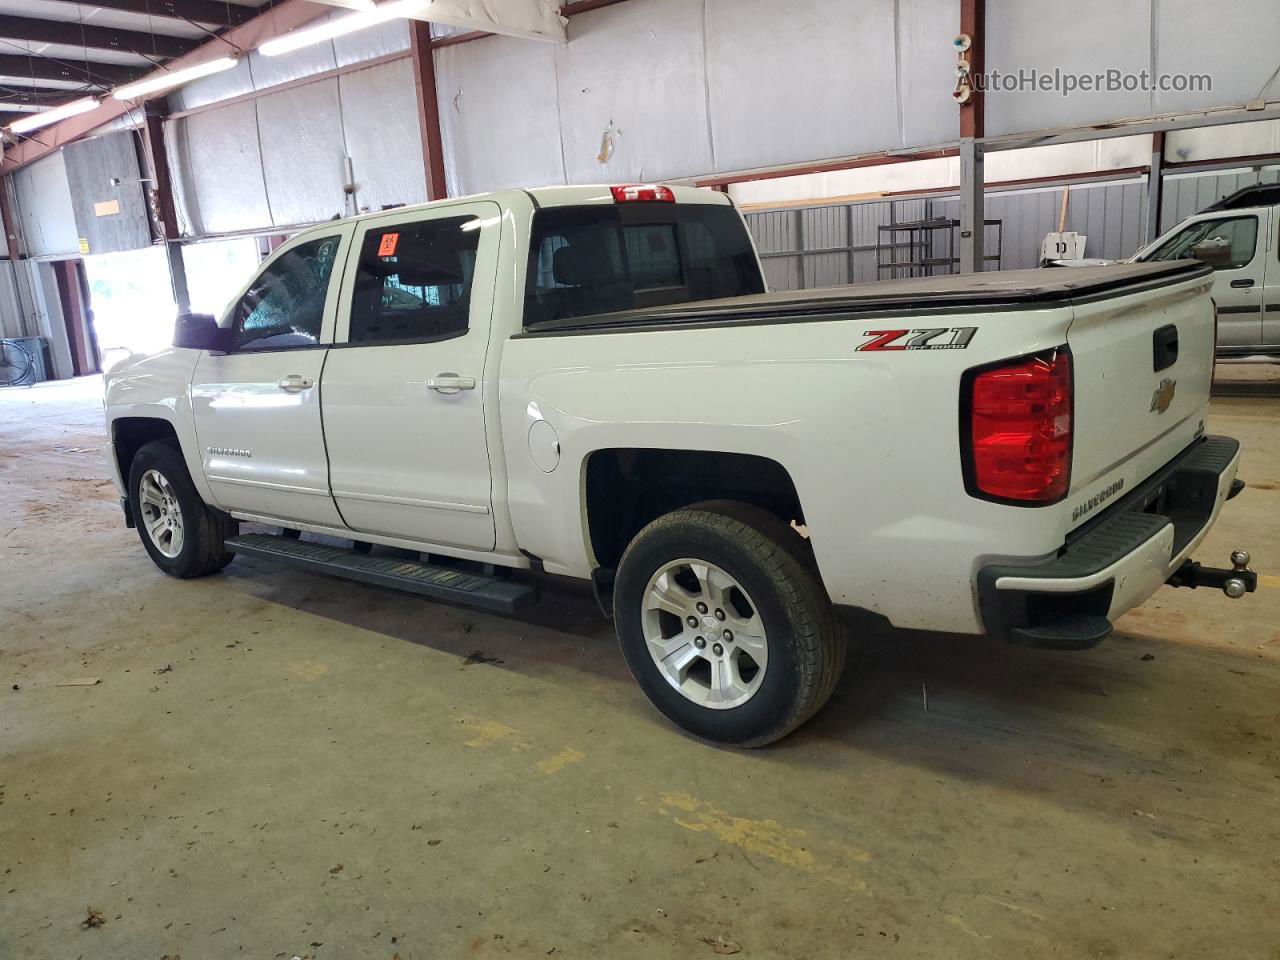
696	574
182	534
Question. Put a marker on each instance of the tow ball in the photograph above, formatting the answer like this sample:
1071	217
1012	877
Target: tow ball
1235	583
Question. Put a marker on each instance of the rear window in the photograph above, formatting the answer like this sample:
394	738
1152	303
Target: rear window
600	259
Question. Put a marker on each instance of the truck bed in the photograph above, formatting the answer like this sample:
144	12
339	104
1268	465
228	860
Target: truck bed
1007	289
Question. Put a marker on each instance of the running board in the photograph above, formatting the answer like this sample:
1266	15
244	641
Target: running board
438	583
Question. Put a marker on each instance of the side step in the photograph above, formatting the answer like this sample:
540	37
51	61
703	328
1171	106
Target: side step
438	583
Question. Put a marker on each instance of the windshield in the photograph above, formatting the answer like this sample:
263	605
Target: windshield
598	259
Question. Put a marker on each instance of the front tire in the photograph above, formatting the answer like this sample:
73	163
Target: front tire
183	535
725	625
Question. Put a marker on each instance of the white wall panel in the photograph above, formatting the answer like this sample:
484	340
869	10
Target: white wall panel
498	115
217	160
272	71
1084	36
380	120
219	86
815	80
378	41
637	67
44	207
927	71
303	154
1237	43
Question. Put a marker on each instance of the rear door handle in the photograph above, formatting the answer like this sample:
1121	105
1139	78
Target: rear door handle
1241	284
450	383
295	382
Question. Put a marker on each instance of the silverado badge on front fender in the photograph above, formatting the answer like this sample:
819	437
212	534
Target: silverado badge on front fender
1163	395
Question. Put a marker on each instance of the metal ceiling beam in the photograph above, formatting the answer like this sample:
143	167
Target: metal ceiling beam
36	97
104	38
285	16
77	71
203	11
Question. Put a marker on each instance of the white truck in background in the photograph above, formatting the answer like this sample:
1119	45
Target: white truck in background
1239	237
592	382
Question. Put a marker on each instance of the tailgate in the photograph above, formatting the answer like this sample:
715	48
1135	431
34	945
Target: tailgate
1143	364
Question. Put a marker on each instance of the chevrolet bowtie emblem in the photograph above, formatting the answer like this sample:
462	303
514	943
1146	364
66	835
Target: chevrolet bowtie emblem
1163	395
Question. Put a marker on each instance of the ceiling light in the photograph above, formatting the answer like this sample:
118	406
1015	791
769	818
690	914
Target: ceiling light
340	26
21	108
166	79
46	117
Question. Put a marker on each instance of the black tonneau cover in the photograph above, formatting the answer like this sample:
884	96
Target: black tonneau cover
971	292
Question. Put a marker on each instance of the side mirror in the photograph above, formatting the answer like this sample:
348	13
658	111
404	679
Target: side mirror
1215	252
200	331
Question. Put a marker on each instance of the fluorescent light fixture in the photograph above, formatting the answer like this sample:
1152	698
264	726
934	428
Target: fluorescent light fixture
173	78
46	117
21	108
339	26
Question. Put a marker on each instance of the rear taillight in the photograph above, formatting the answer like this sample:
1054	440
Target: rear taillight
642	192
1019	429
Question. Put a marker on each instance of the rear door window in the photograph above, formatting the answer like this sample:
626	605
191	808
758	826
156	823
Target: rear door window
413	283
603	258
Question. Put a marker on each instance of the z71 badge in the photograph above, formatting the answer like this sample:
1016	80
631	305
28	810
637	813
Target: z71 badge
932	339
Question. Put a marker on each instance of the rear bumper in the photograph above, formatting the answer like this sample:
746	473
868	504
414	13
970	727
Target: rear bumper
1115	562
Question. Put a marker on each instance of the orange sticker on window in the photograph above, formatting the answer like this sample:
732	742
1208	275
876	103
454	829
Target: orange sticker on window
387	248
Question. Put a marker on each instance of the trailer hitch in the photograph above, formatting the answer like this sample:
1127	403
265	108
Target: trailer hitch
1235	583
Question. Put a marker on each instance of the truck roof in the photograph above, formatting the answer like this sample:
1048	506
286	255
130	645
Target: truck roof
556	196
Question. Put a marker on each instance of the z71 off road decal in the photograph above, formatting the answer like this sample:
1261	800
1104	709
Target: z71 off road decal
932	339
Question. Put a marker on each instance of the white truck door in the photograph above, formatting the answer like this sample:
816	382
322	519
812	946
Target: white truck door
1237	284
257	407
404	387
1271	286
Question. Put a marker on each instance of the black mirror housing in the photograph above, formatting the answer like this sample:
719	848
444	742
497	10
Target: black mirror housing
200	331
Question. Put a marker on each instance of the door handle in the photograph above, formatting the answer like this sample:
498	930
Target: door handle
450	383
295	382
1241	284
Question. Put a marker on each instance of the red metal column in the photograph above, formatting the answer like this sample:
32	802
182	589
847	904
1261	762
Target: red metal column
973	22
9	223
166	209
424	81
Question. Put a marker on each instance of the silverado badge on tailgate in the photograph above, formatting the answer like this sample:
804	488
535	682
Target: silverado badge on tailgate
1163	395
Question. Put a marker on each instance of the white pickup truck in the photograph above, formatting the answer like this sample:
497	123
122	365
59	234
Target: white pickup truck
592	382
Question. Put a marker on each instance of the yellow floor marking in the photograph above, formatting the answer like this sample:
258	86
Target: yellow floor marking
484	733
1267	580
955	921
561	760
784	845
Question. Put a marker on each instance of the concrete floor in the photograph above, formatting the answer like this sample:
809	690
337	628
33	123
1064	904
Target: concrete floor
283	765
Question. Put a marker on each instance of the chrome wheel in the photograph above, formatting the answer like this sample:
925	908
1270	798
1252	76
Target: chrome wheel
705	634
161	514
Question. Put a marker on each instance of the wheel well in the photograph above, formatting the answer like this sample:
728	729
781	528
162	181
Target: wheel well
130	433
628	488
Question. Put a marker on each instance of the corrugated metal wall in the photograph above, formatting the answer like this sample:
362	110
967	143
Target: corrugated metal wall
1185	194
44	210
825	246
809	246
